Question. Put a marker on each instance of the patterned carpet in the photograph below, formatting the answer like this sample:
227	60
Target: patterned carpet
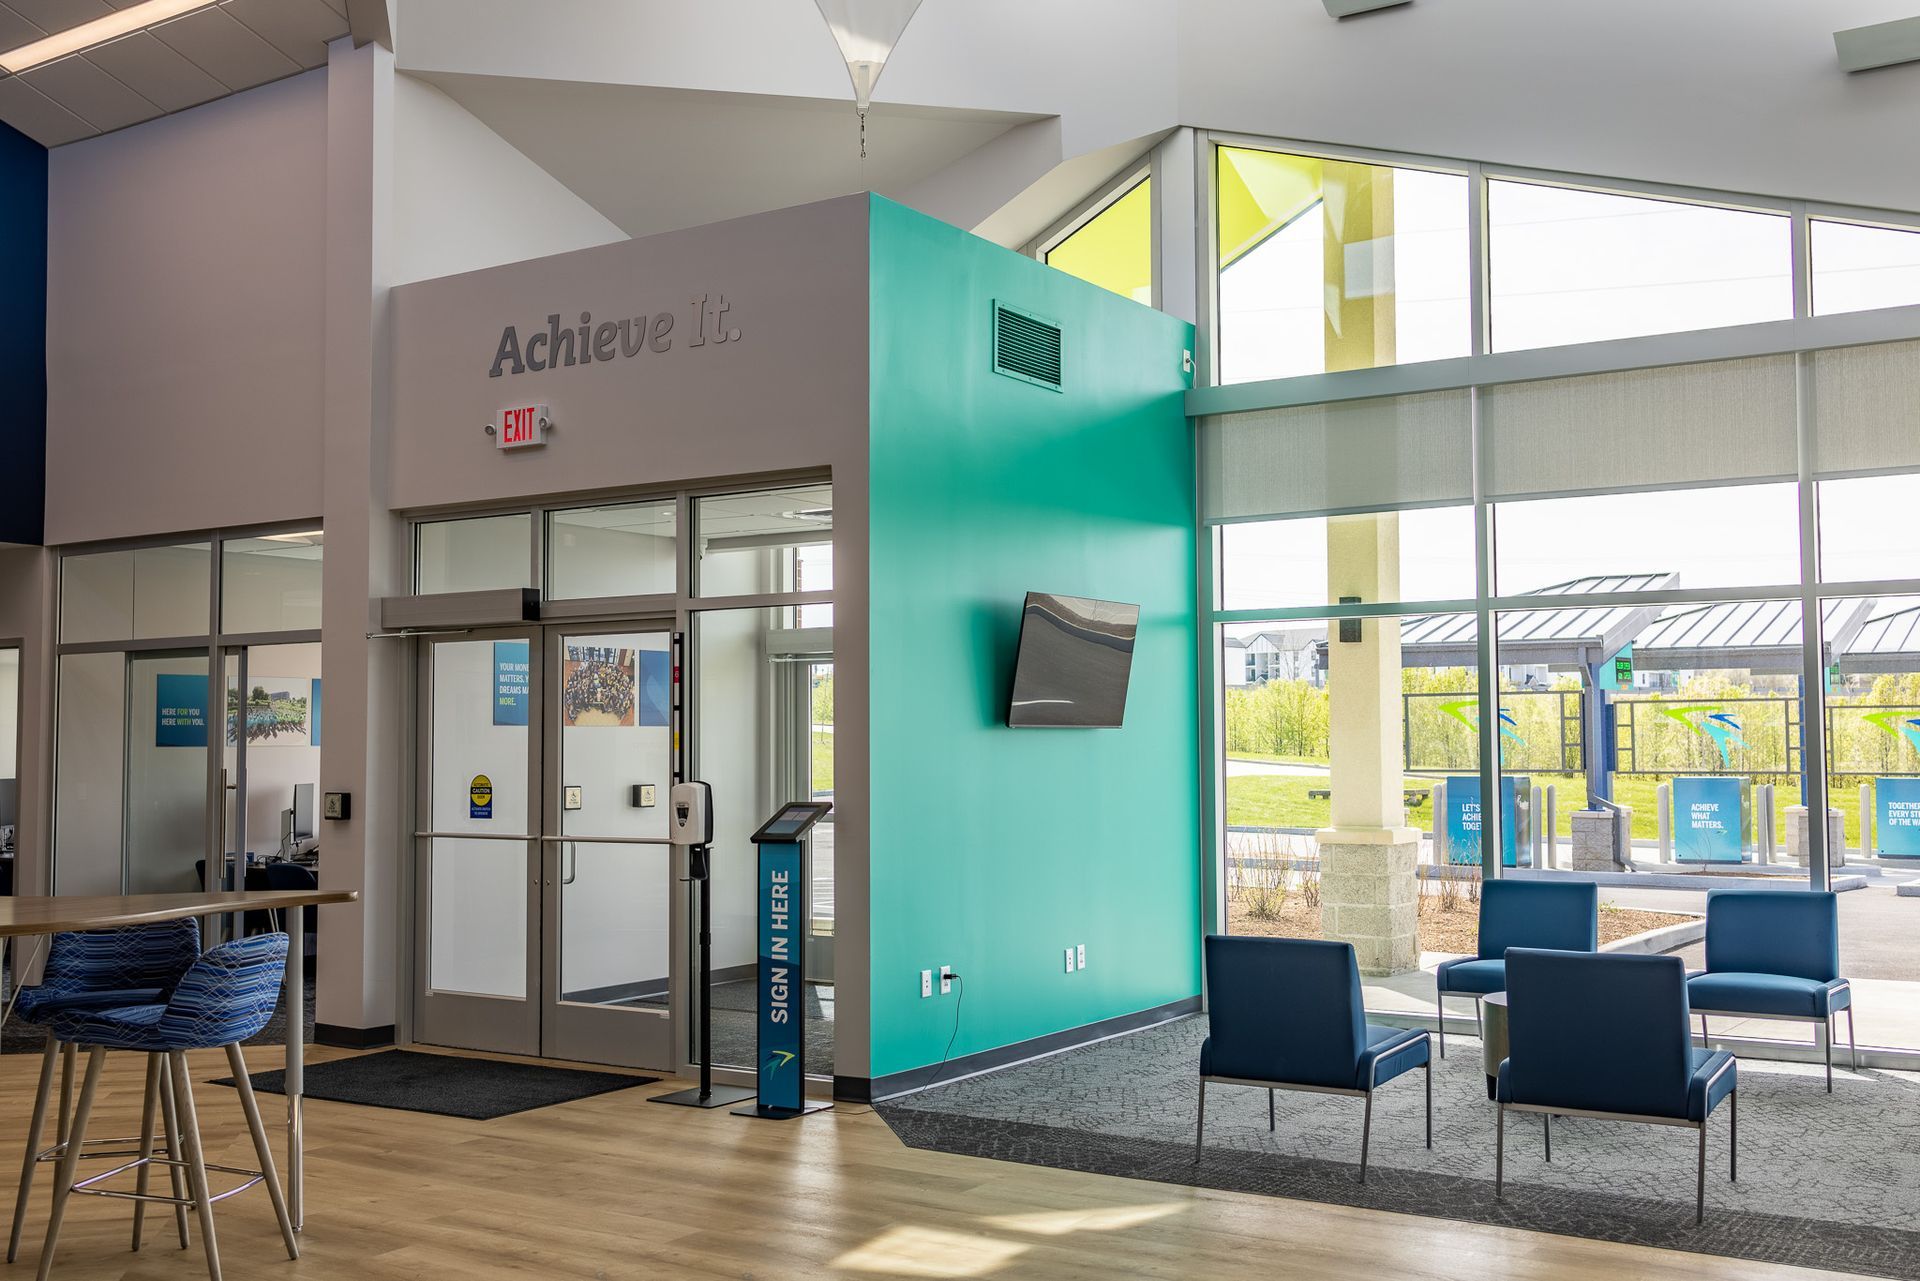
1828	1181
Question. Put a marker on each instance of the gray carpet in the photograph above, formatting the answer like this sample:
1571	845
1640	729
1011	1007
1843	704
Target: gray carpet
736	1030
1826	1181
446	1084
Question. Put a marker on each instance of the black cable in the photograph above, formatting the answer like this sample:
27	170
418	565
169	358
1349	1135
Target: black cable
957	1000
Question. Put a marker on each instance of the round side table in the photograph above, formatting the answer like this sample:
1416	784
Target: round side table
1493	1046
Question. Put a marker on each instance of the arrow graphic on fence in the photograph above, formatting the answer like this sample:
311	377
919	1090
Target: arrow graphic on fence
1909	730
1466	711
1718	725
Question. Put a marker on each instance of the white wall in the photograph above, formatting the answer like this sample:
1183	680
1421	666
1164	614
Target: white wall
184	305
464	198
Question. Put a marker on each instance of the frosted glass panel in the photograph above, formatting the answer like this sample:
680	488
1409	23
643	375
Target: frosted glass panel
624	550
480	554
139	593
271	584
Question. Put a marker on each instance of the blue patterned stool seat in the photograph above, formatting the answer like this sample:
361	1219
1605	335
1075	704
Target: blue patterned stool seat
225	998
105	969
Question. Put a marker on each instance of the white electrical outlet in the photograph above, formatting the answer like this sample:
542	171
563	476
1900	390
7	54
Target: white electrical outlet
946	980
1080	955
1069	960
926	982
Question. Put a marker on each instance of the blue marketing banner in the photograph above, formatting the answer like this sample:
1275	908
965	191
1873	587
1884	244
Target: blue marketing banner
314	715
512	679
1707	823
1462	820
656	666
179	710
782	989
1896	817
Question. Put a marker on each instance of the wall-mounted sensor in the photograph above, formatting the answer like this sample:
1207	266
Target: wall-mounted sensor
643	796
336	806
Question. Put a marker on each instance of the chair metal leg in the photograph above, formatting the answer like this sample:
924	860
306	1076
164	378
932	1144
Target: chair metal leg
196	1160
1733	1136
1704	1044
1440	1021
1200	1126
1479	1024
1429	1104
1366	1136
149	1104
1500	1152
243	1084
1546	1132
35	1128
170	1128
69	1054
1269	1109
1853	1046
1826	1041
1700	1193
70	1159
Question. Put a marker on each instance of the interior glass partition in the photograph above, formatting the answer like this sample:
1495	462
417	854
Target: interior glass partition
1114	247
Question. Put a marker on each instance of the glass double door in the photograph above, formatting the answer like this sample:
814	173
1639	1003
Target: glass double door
545	884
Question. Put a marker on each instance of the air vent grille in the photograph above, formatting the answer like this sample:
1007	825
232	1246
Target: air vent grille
1026	347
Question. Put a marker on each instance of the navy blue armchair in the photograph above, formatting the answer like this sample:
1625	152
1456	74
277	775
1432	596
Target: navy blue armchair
1607	1035
1562	915
1775	954
1286	1014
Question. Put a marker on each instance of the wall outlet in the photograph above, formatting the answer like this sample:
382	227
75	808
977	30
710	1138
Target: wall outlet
1070	960
926	983
946	980
1080	955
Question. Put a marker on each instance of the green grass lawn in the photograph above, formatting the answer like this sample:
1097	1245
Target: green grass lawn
1279	801
823	762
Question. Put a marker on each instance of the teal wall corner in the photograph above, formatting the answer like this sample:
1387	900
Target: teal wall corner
993	850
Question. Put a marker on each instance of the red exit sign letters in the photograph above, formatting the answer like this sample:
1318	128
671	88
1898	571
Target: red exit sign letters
522	427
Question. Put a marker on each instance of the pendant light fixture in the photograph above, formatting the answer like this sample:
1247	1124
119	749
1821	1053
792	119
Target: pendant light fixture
866	31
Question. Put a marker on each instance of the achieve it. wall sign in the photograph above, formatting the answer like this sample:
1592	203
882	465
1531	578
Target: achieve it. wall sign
599	342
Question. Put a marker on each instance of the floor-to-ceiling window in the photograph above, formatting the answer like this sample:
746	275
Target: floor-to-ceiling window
1110	243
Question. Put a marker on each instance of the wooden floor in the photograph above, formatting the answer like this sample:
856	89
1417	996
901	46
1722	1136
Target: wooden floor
612	1188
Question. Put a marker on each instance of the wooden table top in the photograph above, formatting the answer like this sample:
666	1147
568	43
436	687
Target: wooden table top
19	916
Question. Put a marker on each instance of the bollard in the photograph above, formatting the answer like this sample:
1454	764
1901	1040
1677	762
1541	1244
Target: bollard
1866	821
1534	844
1663	818
1438	799
1553	830
1769	834
1626	836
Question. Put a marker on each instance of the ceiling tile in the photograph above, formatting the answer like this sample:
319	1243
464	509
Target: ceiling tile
90	93
338	6
225	50
16	30
59	15
156	72
38	116
298	28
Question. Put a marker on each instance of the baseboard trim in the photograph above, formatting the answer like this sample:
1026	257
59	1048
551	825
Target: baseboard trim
859	1089
352	1038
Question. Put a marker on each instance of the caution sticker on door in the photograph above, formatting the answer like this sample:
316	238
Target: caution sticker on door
480	797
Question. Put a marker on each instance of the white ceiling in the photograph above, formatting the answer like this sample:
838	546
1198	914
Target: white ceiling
653	159
207	54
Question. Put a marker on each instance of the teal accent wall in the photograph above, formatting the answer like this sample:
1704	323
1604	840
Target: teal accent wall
994	849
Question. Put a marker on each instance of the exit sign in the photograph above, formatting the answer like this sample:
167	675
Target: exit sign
522	427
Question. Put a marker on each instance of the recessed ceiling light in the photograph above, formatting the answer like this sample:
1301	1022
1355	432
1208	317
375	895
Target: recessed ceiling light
119	23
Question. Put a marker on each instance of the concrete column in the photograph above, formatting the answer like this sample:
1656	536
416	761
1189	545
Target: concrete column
367	749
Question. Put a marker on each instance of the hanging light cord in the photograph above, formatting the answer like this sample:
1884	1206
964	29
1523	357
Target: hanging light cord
863	135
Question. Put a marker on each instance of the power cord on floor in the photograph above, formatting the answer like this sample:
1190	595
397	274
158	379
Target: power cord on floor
957	1002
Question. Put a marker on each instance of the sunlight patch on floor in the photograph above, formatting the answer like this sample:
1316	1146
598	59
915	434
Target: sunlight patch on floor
929	1252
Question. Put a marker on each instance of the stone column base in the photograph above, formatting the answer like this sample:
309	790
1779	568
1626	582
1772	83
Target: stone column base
1593	841
1797	836
1370	897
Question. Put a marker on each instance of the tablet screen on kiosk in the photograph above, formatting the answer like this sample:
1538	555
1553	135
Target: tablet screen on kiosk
790	822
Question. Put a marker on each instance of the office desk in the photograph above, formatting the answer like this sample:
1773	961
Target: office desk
27	917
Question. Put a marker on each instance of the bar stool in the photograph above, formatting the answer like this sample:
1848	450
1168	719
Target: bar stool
225	998
98	970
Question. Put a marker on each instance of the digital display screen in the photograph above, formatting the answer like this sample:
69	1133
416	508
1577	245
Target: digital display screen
788	821
1074	660
791	821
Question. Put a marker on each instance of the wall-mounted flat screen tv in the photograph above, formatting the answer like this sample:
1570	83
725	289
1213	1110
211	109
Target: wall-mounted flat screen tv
1075	657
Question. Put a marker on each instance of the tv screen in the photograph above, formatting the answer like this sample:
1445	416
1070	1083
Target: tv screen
1075	657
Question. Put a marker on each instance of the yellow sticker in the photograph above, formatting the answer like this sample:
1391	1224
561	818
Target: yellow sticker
480	794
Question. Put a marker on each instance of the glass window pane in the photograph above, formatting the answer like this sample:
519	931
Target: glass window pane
1867	530
96	596
473	555
166	798
1571	266
1732	536
142	593
777	540
90	757
1114	248
625	550
1328	265
1858	268
272	583
1280	564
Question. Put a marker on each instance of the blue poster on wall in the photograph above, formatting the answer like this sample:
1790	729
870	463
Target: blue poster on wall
1707	823
313	714
1896	817
656	668
179	710
1462	821
512	681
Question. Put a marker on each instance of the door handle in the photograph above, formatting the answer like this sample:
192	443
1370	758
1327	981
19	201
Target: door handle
571	865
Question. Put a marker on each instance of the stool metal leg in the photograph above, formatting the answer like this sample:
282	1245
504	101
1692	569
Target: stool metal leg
66	1089
170	1120
243	1084
149	1104
196	1160
35	1128
70	1158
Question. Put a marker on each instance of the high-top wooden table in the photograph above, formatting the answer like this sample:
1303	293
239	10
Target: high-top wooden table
27	917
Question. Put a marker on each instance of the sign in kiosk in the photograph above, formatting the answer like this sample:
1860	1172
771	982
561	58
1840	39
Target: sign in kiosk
1708	821
784	912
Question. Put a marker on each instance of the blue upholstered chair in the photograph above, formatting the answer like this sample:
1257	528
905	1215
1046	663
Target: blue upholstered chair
225	998
92	970
1286	1014
1607	1035
1562	915
1775	954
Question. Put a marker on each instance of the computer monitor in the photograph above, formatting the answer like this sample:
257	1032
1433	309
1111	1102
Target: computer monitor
302	811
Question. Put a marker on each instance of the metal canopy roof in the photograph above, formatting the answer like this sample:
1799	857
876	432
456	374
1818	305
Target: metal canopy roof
1754	636
1885	642
1563	636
